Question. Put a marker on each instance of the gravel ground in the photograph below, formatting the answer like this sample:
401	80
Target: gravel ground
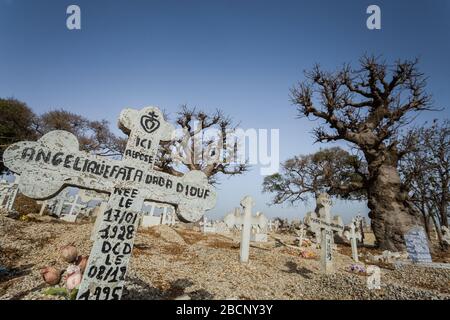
171	262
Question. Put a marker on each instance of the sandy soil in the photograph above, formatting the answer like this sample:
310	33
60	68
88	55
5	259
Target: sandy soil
171	262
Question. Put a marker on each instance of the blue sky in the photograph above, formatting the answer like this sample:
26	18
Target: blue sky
240	56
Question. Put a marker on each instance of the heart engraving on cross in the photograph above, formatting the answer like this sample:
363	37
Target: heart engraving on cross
55	161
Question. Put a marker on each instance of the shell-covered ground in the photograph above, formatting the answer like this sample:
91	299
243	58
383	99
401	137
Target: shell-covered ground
169	263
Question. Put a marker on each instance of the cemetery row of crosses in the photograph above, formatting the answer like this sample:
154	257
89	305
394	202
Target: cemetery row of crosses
107	228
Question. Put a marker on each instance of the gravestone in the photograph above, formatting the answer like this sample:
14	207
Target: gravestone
8	193
207	227
320	221
55	161
353	235
168	215
4	186
150	220
246	221
221	227
276	225
360	225
417	245
301	235
73	204
259	231
57	203
270	225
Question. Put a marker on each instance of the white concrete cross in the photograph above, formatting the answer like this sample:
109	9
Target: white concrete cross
301	234
321	221
168	216
221	227
73	204
149	220
207	227
270	225
276	225
4	186
259	231
57	203
246	221
55	161
353	235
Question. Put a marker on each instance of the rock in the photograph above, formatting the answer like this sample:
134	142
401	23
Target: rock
69	253
51	275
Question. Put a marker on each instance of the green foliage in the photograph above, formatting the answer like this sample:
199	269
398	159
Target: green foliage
334	171
61	292
16	123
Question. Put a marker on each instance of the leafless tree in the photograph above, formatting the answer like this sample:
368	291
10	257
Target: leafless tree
195	149
366	107
426	172
334	171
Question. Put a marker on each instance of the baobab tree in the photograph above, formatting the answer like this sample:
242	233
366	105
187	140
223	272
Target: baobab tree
366	107
203	143
334	171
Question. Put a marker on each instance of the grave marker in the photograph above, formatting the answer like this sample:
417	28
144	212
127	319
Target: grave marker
246	220
8	193
207	227
259	231
73	203
417	245
320	221
55	161
353	235
301	235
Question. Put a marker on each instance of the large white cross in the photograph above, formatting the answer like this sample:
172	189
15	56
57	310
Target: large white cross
55	161
246	221
321	221
353	235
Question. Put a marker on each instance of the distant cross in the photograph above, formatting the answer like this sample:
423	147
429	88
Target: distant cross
9	193
270	225
301	234
246	221
321	221
207	226
276	225
75	205
353	235
359	220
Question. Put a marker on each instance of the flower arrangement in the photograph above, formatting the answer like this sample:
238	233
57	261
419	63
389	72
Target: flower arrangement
72	277
356	268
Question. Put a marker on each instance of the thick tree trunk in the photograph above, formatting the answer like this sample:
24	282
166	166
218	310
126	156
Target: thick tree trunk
391	213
